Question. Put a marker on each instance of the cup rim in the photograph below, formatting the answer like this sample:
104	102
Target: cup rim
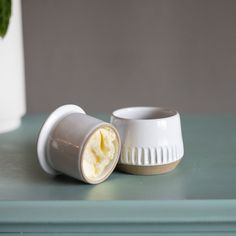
45	130
172	113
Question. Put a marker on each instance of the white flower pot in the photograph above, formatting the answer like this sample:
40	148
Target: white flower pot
12	83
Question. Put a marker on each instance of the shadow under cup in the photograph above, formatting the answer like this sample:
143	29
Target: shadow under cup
151	139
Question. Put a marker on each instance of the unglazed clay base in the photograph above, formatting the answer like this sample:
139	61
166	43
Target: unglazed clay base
148	170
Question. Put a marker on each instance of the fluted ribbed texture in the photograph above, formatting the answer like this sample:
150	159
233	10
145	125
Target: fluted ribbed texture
151	155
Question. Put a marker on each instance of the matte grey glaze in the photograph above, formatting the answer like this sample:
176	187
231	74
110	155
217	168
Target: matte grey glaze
66	142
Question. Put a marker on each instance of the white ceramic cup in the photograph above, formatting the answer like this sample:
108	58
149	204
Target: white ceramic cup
150	137
62	141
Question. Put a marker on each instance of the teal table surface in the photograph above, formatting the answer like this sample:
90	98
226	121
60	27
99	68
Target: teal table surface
199	193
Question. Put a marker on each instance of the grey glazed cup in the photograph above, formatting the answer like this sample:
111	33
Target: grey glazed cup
62	140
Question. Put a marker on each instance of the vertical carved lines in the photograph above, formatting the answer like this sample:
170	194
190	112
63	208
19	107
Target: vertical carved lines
151	155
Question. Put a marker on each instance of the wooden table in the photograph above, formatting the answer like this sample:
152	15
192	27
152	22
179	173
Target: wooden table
198	197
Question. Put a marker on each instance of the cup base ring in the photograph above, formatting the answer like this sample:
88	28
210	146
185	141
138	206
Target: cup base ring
148	170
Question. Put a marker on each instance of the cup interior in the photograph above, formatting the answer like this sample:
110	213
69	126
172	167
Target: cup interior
108	167
143	113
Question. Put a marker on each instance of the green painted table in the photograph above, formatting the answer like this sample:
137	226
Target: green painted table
198	198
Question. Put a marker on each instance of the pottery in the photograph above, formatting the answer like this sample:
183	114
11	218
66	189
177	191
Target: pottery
63	139
151	139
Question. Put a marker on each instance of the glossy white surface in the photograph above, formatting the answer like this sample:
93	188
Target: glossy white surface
12	81
149	135
7	125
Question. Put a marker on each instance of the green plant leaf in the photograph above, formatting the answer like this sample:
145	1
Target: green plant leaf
5	14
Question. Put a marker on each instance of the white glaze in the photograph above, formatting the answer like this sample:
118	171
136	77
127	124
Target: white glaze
149	135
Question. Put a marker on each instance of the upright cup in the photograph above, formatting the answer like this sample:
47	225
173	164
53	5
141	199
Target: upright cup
69	143
151	139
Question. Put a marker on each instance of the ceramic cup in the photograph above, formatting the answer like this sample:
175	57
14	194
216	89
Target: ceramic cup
151	139
62	141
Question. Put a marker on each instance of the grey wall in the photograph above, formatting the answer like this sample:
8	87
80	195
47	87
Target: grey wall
105	54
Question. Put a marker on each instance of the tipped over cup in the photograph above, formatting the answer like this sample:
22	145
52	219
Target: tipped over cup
76	144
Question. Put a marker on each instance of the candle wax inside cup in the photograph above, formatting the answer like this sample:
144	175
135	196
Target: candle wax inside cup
99	152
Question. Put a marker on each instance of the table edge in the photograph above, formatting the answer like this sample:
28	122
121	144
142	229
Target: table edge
175	211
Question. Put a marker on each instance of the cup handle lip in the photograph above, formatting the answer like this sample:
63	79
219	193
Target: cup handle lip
45	130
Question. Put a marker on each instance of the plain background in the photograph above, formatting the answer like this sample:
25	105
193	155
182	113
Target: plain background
107	54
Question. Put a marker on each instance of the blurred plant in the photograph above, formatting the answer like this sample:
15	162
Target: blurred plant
5	14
